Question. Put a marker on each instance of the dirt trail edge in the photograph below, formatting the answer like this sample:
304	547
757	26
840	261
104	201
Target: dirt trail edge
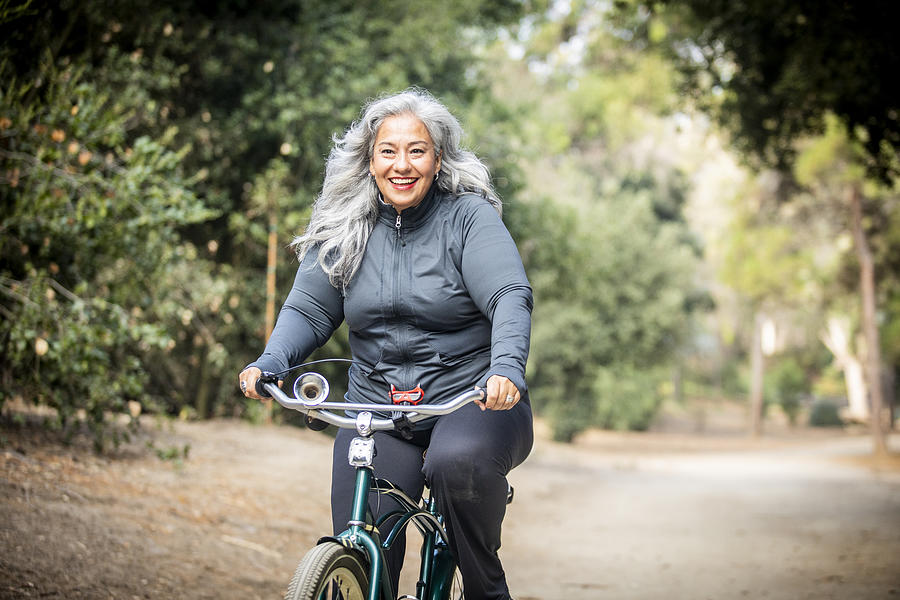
650	516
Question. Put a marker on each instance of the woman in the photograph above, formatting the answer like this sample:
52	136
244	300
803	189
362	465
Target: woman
406	243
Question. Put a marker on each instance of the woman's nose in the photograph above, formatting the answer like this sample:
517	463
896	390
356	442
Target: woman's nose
402	162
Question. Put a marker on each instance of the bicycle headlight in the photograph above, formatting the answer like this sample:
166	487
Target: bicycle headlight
361	453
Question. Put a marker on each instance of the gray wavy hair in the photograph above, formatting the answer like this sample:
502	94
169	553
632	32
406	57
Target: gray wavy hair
345	211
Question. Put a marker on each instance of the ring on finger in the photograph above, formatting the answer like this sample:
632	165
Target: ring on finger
510	399
244	386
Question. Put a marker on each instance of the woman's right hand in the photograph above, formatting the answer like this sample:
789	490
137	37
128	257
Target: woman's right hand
248	379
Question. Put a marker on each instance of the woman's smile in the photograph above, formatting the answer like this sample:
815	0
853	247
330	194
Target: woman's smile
404	183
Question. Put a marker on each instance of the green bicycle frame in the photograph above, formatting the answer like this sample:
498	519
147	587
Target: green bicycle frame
437	562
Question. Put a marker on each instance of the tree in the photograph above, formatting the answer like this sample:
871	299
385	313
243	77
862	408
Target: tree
763	261
612	292
831	166
773	72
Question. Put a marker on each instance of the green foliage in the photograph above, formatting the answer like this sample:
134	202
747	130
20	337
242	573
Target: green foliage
10	13
146	149
569	413
627	398
765	262
613	293
89	231
805	88
825	413
176	455
772	70
612	102
600	225
74	355
787	384
886	248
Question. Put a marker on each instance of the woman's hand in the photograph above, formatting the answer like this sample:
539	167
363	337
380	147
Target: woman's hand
248	379
501	394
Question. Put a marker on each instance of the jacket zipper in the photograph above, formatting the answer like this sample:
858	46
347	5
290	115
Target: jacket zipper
402	340
399	236
395	294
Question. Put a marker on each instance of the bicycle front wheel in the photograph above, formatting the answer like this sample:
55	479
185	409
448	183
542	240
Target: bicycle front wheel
329	572
456	586
446	581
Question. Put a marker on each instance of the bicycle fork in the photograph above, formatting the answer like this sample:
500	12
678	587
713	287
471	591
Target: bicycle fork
361	532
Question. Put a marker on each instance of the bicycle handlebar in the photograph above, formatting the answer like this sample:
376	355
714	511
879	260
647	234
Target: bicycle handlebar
319	409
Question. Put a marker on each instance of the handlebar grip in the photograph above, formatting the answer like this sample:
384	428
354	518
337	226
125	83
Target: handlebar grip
266	377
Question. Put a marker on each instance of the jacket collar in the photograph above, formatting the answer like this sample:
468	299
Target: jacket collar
413	216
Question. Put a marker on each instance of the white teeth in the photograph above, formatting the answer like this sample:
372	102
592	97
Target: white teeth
403	181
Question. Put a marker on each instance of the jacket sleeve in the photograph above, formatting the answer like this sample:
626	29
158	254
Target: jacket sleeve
312	311
495	279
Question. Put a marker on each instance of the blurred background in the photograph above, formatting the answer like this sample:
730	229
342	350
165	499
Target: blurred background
704	195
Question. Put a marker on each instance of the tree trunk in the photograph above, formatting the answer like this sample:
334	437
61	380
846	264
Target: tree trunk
757	369
870	326
891	396
201	402
678	383
271	268
857	390
836	338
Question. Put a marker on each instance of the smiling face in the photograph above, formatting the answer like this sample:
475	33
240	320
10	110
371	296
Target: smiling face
403	162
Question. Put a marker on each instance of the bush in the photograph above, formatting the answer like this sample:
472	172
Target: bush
90	232
570	416
598	314
824	413
786	385
621	398
627	398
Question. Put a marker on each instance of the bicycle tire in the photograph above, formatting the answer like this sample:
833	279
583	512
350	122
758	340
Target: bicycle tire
456	587
330	572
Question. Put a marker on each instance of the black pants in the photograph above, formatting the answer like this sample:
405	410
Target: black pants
469	454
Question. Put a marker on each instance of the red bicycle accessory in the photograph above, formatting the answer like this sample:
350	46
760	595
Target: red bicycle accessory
413	396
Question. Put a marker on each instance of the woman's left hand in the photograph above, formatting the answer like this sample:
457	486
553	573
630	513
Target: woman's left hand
501	394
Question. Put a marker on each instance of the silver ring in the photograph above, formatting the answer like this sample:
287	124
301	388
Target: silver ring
509	399
244	386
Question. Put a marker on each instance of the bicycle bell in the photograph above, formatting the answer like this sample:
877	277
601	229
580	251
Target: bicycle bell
311	388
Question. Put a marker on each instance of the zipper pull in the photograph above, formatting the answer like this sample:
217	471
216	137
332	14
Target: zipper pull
399	237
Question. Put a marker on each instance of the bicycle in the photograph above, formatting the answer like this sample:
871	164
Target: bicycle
351	565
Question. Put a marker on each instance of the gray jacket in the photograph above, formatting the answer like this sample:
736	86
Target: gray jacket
440	301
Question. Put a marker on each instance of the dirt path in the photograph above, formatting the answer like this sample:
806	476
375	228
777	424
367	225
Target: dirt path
787	521
614	516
